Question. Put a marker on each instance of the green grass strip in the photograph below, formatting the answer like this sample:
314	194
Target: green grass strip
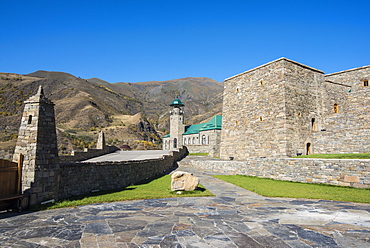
338	156
199	154
157	188
276	188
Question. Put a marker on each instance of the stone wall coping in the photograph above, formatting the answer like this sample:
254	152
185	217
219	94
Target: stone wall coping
313	159
331	82
349	70
104	163
274	61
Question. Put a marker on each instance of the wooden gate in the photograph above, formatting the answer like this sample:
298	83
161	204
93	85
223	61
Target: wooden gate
10	183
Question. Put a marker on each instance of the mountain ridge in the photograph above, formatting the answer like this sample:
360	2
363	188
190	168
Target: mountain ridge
85	105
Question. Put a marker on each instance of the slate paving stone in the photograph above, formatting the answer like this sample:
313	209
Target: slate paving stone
271	242
243	240
313	237
99	228
170	241
233	218
281	232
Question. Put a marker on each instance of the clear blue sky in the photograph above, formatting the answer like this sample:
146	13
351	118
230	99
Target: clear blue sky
137	40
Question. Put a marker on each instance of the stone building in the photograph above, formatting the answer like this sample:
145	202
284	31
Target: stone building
198	138
284	109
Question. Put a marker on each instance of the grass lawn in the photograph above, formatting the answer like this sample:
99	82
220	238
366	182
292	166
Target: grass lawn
157	188
199	154
275	188
338	156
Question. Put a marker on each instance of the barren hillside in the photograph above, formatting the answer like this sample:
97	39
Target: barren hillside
136	114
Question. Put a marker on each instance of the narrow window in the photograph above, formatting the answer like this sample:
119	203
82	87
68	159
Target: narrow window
193	140
308	148
203	139
184	141
261	119
174	143
261	83
189	141
29	119
236	122
366	82
237	90
336	108
299	114
313	124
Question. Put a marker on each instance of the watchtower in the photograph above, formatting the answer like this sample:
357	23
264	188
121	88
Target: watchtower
37	141
177	127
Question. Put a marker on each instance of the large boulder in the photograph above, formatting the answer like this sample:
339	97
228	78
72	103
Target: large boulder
181	180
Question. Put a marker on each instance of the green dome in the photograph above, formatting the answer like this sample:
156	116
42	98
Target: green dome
176	102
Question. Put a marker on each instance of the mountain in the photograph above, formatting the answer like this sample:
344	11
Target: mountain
127	112
202	97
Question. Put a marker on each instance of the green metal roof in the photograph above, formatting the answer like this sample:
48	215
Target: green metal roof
193	129
166	136
212	124
176	102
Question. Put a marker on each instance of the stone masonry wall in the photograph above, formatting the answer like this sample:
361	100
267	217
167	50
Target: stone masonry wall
81	178
212	140
348	130
342	172
6	154
267	111
87	153
247	100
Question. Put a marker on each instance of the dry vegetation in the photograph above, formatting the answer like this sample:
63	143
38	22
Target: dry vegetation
130	114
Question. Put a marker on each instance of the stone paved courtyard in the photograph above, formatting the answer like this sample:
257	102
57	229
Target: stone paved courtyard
233	218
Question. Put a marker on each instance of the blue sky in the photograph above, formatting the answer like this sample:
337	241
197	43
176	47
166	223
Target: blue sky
157	40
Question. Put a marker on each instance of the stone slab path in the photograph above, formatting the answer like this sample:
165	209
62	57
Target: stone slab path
233	218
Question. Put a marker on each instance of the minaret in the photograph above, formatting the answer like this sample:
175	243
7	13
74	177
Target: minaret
37	141
177	127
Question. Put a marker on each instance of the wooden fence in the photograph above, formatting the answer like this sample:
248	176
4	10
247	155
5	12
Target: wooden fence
10	178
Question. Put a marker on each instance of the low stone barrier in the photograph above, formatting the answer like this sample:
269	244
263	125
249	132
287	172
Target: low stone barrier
87	154
6	154
342	172
78	178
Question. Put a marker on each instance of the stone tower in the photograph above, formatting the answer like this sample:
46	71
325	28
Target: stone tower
37	141
271	111
101	141
177	127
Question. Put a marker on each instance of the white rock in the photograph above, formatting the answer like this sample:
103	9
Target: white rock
181	180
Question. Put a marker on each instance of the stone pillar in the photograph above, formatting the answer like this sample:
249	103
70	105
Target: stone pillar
101	141
37	141
177	127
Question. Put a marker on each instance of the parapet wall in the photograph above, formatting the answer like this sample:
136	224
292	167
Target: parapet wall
87	153
342	172
78	178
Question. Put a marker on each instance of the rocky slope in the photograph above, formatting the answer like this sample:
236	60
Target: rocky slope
130	113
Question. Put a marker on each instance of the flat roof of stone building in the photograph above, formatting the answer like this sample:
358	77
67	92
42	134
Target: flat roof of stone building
345	71
274	61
